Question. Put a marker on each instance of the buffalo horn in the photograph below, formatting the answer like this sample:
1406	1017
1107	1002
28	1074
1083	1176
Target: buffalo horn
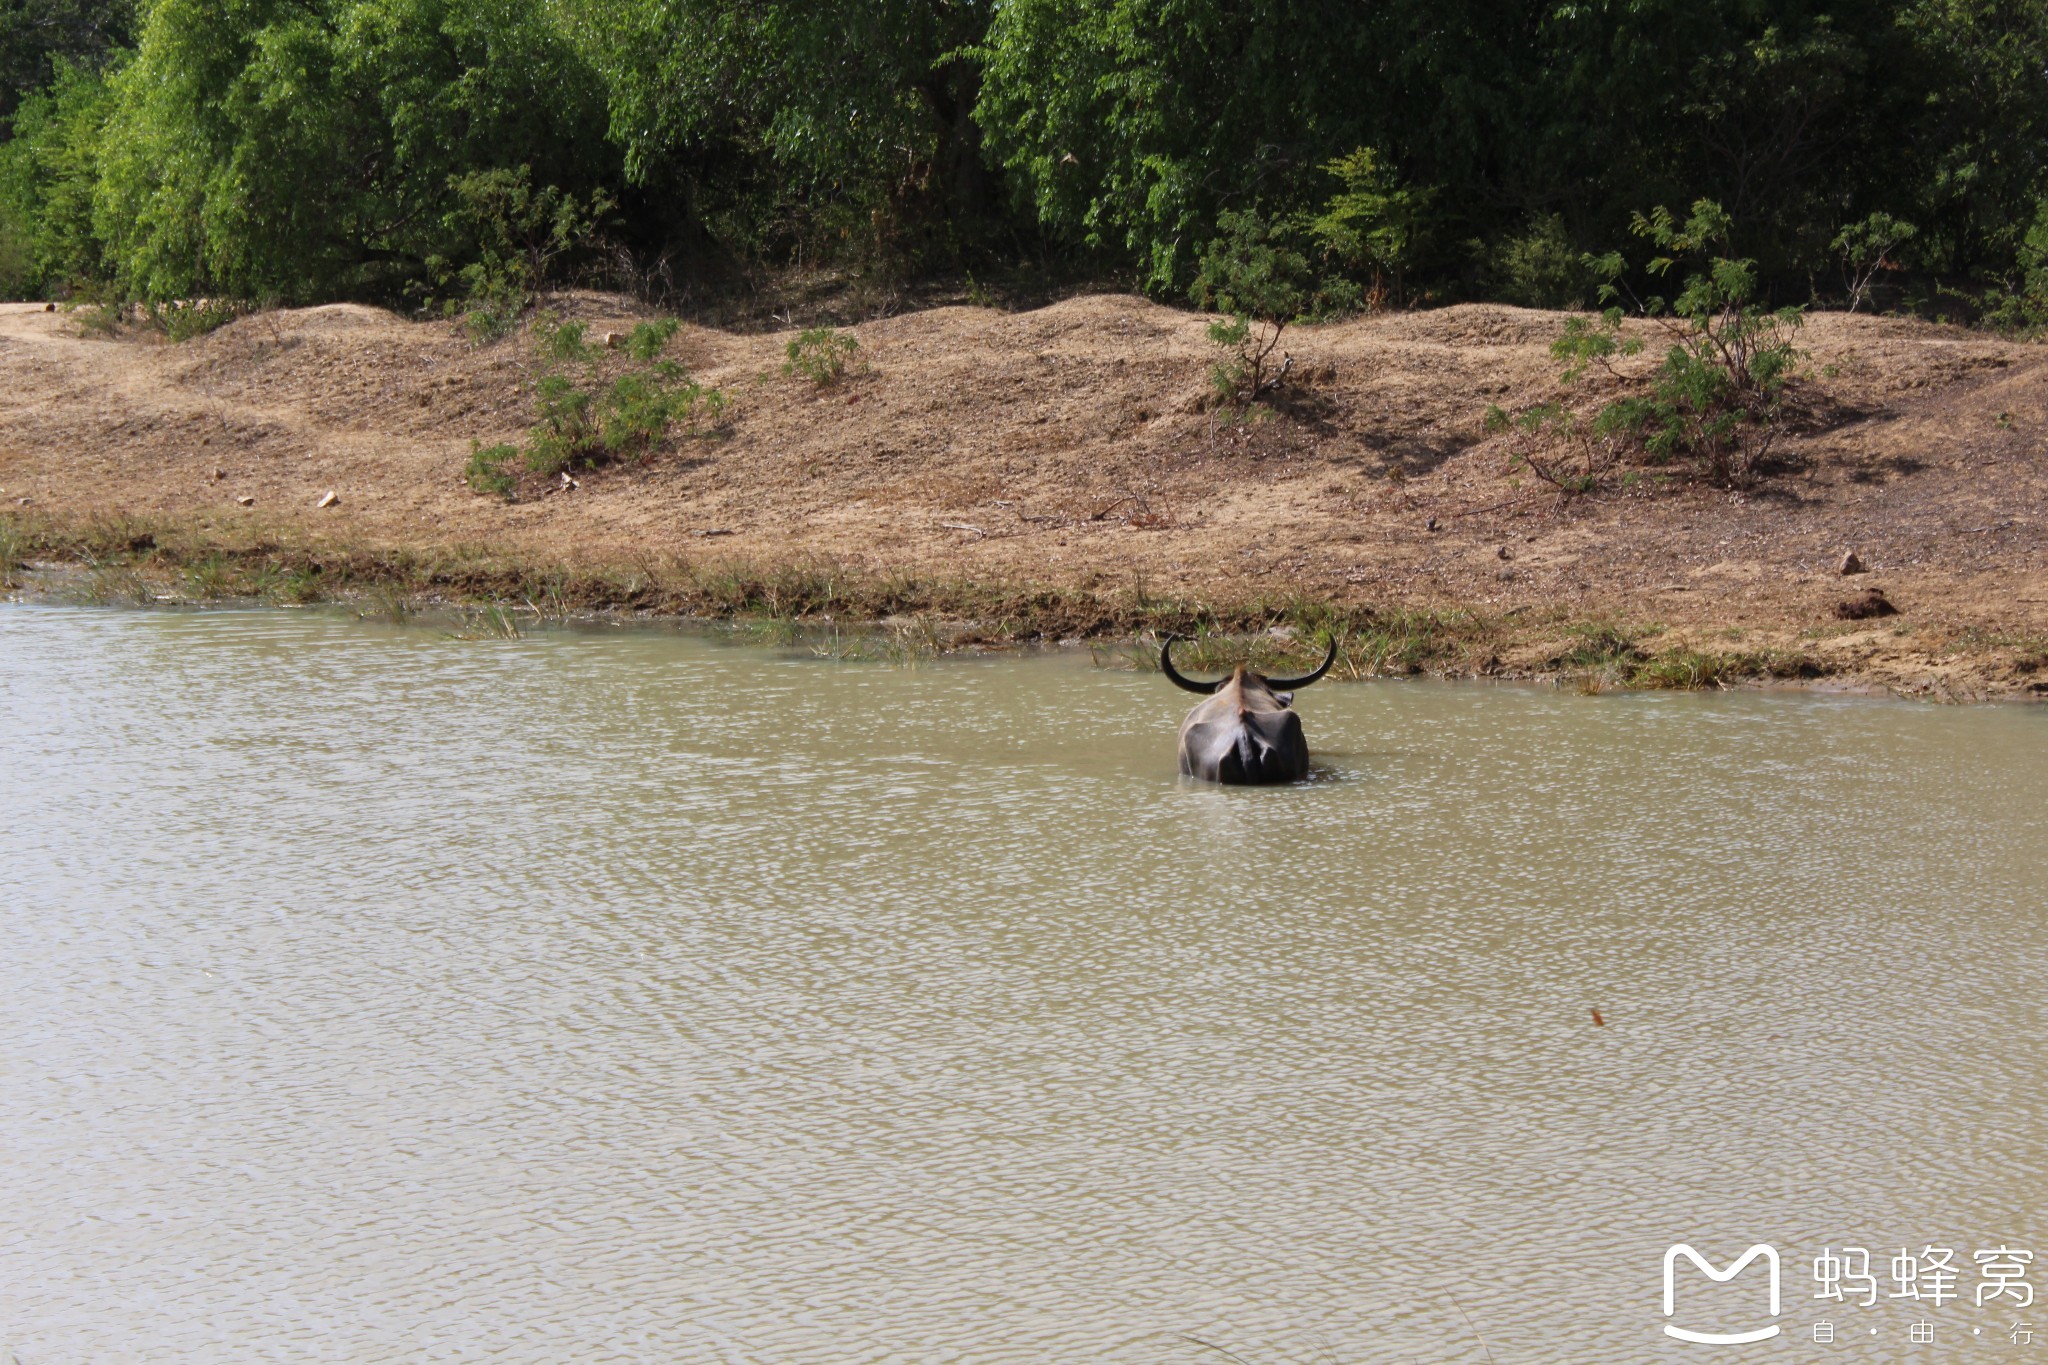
1296	684
1173	674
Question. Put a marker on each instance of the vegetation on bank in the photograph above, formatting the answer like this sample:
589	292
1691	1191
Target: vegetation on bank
457	155
135	561
1717	401
594	410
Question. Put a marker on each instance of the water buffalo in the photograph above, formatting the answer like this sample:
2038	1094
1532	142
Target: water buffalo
1245	732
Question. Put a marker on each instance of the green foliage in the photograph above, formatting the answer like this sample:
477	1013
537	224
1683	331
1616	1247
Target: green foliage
308	149
1719	393
649	339
186	319
41	39
1254	275
2023	305
1588	341
1251	270
820	354
1131	124
486	322
2033	263
1374	222
592	413
490	469
1572	453
559	342
1539	267
800	129
1717	397
467	153
100	320
48	175
641	406
1867	247
512	239
1134	125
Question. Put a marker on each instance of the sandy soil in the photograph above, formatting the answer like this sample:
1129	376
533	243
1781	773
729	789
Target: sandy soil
1071	446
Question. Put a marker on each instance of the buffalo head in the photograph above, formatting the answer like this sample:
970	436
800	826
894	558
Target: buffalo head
1246	732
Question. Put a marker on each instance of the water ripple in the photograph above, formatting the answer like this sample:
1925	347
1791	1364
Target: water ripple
629	996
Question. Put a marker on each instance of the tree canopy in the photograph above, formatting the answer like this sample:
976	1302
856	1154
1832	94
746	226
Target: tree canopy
1444	149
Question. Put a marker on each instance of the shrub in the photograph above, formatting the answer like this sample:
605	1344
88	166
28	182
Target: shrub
1371	225
1541	268
1571	453
2023	306
649	339
1254	276
587	418
489	469
182	320
1718	395
564	435
561	342
515	237
486	322
101	320
641	406
821	355
1866	248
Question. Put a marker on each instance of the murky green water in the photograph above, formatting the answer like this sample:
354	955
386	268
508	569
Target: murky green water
373	995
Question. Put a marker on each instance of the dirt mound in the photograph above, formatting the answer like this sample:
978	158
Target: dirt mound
332	317
1466	324
1074	444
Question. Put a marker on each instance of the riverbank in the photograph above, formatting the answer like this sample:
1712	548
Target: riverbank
989	477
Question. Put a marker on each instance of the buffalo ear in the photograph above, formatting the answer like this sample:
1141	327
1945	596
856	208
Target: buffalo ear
1284	698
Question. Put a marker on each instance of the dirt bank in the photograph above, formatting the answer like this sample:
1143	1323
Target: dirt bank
1068	449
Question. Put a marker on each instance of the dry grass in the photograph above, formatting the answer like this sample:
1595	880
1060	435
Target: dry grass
1053	473
847	613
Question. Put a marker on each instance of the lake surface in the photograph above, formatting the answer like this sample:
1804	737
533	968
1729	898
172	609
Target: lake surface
631	995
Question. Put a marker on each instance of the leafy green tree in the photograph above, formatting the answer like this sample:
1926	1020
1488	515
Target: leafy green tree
1718	396
1373	223
390	148
1777	110
1868	246
1970	162
782	121
1132	125
49	171
309	148
1256	277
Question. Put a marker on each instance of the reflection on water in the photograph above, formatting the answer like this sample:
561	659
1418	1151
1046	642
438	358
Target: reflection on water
376	995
